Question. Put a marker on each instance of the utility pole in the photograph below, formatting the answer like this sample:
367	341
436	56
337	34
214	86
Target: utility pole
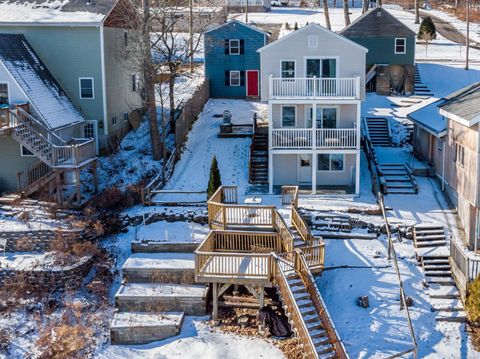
468	35
190	25
246	11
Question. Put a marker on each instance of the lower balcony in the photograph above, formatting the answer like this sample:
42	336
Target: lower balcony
307	138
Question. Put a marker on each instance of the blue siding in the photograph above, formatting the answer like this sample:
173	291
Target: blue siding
217	63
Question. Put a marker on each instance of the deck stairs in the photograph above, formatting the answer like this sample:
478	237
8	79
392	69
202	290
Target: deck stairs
433	254
259	157
397	178
378	130
155	296
420	88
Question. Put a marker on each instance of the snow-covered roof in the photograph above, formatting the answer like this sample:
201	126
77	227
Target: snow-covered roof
317	27
38	84
430	119
463	105
54	12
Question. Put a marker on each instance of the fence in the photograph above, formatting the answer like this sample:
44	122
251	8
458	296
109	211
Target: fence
465	267
159	181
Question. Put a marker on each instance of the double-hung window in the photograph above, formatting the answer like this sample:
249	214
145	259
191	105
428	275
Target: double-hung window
400	45
235	78
234	47
3	93
459	154
86	87
288	116
135	82
288	69
330	162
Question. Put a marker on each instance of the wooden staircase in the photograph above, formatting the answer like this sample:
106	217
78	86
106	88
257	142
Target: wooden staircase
397	178
305	308
34	178
434	255
259	157
378	131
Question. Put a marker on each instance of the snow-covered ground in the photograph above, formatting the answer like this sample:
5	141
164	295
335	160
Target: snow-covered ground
164	231
197	340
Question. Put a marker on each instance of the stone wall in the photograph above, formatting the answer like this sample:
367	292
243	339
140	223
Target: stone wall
397	77
32	240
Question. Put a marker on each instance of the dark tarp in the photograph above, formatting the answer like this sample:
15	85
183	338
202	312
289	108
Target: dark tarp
277	324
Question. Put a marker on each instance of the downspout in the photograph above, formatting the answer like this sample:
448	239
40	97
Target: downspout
104	88
443	165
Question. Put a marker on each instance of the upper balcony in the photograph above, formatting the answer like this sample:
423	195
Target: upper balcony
314	88
308	138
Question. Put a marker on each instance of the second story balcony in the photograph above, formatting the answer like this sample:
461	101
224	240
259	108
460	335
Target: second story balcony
308	138
314	88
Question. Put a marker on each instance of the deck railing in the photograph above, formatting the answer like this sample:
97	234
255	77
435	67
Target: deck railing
465	266
32	174
290	196
282	88
345	138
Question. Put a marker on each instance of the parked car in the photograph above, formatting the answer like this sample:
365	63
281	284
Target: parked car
279	3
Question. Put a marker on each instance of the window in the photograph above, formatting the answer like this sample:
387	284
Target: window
312	41
234	78
125	116
330	162
288	116
459	154
125	38
114	120
24	152
86	87
89	131
400	46
288	69
234	47
3	94
135	82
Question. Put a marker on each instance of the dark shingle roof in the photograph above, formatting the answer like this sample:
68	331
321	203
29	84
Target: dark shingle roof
371	24
464	103
45	94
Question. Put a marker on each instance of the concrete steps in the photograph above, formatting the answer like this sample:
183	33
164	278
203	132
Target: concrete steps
142	328
397	179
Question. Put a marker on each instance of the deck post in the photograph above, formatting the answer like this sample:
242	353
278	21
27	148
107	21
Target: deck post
262	297
215	301
58	185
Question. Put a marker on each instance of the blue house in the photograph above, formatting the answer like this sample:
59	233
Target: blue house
232	63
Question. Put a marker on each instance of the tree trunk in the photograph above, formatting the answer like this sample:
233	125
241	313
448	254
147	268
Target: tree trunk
149	78
190	28
327	16
345	12
417	13
171	95
365	6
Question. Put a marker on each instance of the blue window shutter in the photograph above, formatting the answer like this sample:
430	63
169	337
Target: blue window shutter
227	78
227	47
242	47
242	78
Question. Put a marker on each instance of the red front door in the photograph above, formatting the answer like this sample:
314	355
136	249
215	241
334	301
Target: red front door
252	83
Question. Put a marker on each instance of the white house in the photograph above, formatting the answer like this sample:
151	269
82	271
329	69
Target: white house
313	80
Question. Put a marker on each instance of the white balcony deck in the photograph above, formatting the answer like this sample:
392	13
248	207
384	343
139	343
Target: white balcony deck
308	138
314	88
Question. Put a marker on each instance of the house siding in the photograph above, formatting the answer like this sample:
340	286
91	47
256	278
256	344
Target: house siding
217	62
69	53
381	50
351	58
11	163
118	70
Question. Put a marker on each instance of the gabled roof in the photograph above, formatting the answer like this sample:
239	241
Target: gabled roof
429	118
377	22
37	83
241	23
317	27
463	105
63	12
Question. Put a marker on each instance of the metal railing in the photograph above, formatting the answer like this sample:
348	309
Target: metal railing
314	138
306	87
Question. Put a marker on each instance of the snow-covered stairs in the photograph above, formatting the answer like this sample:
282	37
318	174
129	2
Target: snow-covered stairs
420	88
397	178
434	255
322	343
259	157
378	131
156	293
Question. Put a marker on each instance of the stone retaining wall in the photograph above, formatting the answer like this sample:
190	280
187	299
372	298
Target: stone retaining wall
31	241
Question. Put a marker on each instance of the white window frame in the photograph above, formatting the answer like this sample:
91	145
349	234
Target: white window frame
23	154
336	58
281	116
294	70
239	78
135	79
330	162
230	47
80	88
312	41
459	155
404	46
8	90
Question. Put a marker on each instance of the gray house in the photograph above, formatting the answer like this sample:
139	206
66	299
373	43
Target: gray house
80	42
391	50
232	63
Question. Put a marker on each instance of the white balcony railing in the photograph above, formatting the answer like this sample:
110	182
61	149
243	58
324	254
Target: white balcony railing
345	138
314	88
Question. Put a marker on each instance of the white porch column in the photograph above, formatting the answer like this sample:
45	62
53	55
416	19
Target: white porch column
357	167
270	143
270	172
314	126
314	172
357	174
359	124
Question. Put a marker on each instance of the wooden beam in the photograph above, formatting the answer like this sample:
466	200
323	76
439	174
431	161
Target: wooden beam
253	291
223	289
215	301
262	297
58	185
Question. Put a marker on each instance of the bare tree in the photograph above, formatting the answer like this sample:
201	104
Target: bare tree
366	4
346	14
327	16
